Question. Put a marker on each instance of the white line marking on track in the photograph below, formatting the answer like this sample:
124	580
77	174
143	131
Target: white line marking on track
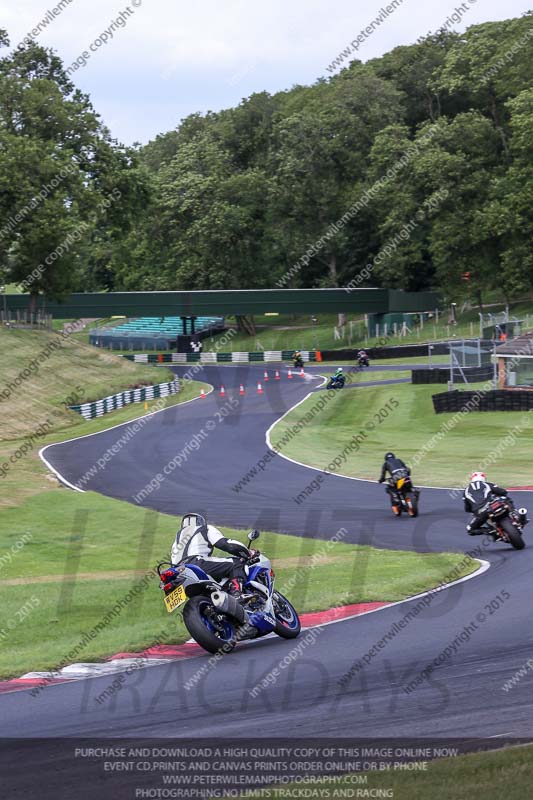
105	430
317	469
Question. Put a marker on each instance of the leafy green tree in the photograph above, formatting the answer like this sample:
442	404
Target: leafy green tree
62	177
491	63
509	213
319	156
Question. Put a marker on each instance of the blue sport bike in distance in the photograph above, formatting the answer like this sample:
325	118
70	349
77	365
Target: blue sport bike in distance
336	381
215	619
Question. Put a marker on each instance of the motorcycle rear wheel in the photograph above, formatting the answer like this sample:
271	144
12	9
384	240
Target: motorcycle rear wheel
513	534
412	505
213	638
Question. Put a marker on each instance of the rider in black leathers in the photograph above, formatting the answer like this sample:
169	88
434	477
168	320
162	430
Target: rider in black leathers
476	497
392	465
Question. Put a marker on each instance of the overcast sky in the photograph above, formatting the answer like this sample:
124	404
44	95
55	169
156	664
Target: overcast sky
173	58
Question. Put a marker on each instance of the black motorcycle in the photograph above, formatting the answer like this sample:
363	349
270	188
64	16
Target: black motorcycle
505	523
297	361
362	362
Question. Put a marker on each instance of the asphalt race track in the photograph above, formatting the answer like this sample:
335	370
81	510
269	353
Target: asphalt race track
462	697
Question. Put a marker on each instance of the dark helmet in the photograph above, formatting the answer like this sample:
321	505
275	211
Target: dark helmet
388	456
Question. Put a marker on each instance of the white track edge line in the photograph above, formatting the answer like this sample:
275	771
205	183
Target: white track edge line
337	474
483	567
105	430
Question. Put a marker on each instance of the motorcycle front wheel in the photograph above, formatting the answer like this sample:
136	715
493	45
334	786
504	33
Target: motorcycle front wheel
213	631
513	534
287	620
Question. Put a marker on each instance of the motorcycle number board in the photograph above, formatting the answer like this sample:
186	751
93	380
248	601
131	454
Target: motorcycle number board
175	599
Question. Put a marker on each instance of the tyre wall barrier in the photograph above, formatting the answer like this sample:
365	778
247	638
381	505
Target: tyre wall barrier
114	401
220	358
495	400
430	375
442	375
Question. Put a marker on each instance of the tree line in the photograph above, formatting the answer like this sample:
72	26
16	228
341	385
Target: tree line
412	170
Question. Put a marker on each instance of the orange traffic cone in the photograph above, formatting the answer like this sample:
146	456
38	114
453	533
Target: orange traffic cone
290	374
222	391
259	389
241	390
276	376
265	376
202	394
302	373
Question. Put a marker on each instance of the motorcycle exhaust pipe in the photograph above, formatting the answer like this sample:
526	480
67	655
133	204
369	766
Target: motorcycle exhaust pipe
228	605
522	515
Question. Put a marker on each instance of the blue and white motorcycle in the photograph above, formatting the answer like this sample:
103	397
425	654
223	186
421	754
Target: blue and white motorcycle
216	619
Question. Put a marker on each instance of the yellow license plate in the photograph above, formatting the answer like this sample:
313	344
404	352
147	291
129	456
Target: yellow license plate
175	599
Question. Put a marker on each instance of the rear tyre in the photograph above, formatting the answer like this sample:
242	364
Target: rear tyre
412	505
214	632
514	535
287	620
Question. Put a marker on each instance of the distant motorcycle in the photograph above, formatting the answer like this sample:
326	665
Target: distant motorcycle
297	361
404	496
362	361
505	523
336	382
215	619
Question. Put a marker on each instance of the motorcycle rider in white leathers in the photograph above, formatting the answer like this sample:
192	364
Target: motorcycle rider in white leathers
194	544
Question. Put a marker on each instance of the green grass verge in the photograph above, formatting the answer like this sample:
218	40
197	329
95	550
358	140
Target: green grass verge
386	375
412	361
406	430
505	773
83	553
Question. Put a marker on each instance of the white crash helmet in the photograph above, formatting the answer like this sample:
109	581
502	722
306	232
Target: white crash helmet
478	476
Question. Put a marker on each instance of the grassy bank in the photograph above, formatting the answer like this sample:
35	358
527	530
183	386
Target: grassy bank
42	373
406	428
